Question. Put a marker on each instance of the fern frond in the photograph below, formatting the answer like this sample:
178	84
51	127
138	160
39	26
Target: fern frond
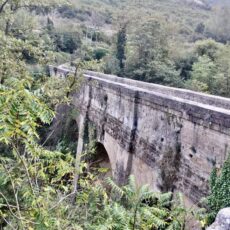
132	183
115	188
165	199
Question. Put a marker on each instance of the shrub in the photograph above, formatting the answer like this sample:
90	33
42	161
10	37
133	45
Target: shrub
67	41
99	53
220	191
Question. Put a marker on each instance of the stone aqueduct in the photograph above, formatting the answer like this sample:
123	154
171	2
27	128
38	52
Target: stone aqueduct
167	137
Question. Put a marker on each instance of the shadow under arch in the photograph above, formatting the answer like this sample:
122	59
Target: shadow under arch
102	160
73	130
63	132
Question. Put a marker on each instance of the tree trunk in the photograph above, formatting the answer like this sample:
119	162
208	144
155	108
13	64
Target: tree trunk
7	28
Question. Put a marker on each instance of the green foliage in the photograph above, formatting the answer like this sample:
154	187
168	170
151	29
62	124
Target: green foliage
204	76
111	65
220	191
67	11
56	91
99	53
223	63
184	64
121	44
9	11
131	207
67	42
148	57
210	68
208	48
32	174
200	28
13	56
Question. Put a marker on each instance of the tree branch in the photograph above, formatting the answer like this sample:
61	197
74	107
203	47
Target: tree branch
7	222
14	191
9	206
27	174
62	199
3	5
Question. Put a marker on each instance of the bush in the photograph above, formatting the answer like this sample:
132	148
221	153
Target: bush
67	41
111	65
220	191
99	53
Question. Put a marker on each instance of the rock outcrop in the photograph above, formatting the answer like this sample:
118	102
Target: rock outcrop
222	220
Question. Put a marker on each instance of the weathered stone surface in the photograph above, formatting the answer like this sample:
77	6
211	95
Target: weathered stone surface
169	138
222	220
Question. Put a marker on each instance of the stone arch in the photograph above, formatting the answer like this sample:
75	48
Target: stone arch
103	158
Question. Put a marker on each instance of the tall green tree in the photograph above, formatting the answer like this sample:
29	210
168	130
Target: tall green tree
148	55
121	46
223	63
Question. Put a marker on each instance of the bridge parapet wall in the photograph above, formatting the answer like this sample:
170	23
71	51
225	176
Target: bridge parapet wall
176	92
212	100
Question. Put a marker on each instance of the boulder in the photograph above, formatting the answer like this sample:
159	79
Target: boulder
222	221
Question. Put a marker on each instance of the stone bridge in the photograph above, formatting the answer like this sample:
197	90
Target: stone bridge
167	137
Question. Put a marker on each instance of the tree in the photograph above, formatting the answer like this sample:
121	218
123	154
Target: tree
210	68
13	57
184	64
200	28
50	25
30	171
67	41
208	47
204	76
27	170
121	45
148	55
223	63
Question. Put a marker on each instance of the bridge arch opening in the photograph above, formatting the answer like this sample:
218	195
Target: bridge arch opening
102	161
73	130
69	137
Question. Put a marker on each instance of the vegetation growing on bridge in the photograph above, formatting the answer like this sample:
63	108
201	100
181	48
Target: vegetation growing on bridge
36	182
